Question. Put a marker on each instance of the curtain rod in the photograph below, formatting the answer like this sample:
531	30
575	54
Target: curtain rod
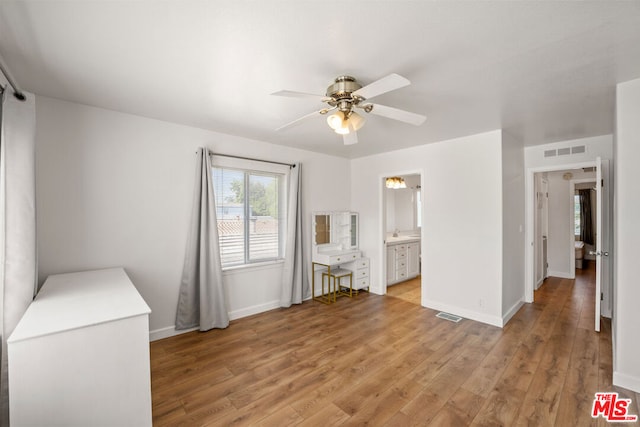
17	92
291	165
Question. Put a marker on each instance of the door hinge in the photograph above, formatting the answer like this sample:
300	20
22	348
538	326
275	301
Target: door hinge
602	182
601	296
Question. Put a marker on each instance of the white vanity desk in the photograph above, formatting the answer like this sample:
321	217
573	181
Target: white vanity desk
335	245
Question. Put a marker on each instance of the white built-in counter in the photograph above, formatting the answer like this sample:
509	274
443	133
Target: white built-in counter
403	258
80	354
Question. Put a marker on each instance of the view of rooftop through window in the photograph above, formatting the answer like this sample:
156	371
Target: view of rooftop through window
248	214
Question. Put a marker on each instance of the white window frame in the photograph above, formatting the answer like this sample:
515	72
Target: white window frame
256	166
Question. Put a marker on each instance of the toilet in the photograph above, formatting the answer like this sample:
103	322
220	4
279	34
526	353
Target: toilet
579	254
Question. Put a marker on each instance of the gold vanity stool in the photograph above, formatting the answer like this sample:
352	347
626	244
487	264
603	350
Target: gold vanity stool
337	275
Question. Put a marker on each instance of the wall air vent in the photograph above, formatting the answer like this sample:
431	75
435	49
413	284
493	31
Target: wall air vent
578	149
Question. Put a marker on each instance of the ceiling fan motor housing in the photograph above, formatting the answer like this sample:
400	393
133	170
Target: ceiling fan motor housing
340	92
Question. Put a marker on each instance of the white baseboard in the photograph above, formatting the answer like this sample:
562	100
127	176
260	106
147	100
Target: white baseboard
540	282
561	274
513	310
170	331
462	312
250	311
626	381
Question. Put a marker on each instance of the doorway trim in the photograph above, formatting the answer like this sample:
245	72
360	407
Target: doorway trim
529	220
382	220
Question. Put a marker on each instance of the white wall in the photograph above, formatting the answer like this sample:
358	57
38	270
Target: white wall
560	228
597	146
626	368
462	221
512	225
115	189
391	209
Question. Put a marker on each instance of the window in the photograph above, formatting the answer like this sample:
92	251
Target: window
576	215
250	209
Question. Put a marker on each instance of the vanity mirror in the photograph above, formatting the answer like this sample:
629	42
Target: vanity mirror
338	229
322	229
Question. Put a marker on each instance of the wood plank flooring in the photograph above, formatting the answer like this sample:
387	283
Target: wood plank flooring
408	290
383	361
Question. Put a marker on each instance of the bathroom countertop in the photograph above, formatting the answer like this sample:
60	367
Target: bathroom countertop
403	239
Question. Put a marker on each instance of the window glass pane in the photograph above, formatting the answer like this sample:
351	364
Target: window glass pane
265	215
230	210
576	214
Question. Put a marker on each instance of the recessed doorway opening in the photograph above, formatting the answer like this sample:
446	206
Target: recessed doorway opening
402	235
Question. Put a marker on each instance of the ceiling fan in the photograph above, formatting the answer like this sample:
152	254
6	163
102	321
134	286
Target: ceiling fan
345	95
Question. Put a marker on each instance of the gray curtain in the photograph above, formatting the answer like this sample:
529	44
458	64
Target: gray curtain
586	222
18	259
202	300
294	287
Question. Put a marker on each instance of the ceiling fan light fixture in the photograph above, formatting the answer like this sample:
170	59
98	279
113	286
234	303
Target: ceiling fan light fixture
343	123
345	94
335	120
356	121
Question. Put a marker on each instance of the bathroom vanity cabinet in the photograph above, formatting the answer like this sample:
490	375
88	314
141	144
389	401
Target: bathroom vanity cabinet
403	260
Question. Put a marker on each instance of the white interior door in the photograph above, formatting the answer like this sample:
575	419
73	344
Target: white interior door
607	231
545	225
599	251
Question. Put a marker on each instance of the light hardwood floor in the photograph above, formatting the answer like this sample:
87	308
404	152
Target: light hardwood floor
408	290
381	361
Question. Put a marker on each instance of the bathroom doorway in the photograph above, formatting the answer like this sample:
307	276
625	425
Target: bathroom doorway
402	213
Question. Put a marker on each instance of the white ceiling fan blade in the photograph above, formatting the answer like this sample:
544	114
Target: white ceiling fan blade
294	94
384	85
351	137
298	120
397	114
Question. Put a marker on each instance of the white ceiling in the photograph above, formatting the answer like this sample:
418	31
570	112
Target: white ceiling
543	71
